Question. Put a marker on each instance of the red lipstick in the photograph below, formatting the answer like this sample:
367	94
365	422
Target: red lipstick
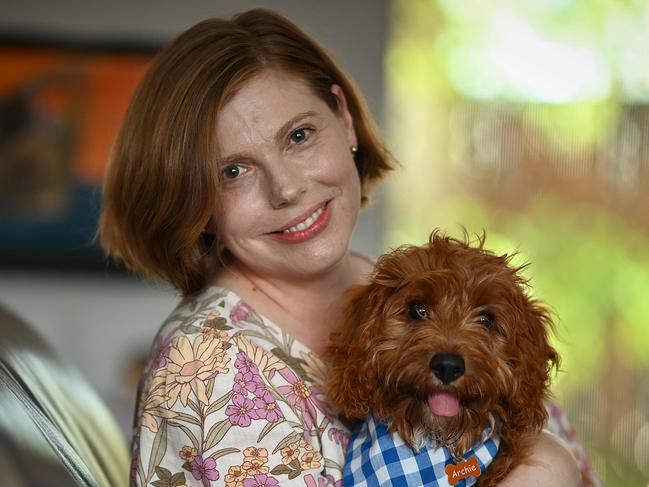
311	231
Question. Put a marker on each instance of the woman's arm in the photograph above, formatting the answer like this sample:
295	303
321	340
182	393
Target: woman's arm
559	425
554	466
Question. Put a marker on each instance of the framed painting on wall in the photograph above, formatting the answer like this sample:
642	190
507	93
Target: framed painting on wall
60	109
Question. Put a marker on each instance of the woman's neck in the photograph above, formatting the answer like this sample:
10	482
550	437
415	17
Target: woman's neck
307	309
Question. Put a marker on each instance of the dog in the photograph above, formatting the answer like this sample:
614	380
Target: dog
443	341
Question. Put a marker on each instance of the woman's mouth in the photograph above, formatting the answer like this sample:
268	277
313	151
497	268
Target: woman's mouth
307	228
306	223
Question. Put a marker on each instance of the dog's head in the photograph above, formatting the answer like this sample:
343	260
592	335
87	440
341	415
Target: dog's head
442	337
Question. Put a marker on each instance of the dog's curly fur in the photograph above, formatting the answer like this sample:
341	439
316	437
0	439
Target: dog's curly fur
379	358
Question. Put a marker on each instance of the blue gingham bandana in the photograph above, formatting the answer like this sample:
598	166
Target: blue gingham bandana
378	457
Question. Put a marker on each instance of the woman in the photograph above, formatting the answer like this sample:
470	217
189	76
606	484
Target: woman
238	175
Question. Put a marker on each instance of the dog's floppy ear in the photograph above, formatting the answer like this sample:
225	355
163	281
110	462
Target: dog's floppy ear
536	361
352	378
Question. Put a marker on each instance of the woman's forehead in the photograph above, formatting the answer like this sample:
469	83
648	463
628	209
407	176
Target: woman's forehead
263	105
270	94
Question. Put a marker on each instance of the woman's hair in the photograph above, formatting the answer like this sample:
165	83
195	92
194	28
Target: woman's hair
161	184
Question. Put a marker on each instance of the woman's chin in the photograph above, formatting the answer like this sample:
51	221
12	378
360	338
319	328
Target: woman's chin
318	262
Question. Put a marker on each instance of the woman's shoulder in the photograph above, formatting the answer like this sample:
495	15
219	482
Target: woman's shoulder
219	321
216	309
205	319
193	312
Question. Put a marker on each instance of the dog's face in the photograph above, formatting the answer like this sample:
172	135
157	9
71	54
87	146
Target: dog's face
442	337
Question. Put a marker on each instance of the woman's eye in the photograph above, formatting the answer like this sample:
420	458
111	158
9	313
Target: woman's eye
486	319
417	311
300	135
233	171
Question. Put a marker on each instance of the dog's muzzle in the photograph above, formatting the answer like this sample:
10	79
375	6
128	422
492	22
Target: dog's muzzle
447	367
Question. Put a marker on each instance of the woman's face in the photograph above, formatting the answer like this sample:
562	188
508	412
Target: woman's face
289	186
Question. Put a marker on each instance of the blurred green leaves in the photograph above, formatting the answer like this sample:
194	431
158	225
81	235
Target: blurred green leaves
556	51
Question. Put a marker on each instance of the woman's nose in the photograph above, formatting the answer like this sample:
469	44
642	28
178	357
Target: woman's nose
287	184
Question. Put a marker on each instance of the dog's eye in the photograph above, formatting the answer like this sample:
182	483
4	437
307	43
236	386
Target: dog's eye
417	311
486	319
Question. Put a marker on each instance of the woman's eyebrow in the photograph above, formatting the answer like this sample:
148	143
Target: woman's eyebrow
232	159
281	134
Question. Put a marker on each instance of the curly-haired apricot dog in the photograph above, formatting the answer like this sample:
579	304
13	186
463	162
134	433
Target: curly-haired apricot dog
442	339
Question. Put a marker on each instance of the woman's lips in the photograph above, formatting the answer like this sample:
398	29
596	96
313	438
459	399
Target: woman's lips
309	227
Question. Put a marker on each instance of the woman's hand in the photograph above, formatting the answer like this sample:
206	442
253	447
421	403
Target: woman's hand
554	465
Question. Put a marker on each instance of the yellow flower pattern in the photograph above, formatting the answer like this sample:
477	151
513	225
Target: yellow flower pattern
311	459
290	453
152	406
235	477
191	364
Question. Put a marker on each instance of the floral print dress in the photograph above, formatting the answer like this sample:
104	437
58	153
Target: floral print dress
229	399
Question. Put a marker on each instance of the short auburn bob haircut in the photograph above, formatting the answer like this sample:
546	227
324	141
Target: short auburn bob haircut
161	187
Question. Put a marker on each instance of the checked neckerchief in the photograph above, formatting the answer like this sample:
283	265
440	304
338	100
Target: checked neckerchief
377	457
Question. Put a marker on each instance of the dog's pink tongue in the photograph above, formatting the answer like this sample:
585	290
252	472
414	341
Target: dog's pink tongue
443	404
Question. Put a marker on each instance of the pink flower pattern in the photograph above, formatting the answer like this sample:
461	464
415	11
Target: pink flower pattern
261	481
247	382
263	405
240	312
267	407
325	481
205	470
161	348
340	436
302	395
242	411
245	364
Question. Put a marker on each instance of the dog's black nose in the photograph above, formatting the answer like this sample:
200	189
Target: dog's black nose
447	367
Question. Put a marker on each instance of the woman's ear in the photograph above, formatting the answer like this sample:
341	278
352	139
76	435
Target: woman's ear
343	111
